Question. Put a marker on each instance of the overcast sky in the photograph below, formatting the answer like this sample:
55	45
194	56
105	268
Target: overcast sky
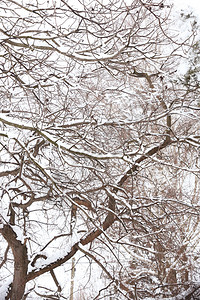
194	4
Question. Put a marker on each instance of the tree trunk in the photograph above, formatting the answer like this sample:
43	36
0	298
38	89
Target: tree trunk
20	263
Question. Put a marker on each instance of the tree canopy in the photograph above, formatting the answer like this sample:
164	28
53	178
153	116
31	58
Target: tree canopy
99	150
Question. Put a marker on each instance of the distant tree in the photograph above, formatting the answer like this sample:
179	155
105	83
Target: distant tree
190	77
99	150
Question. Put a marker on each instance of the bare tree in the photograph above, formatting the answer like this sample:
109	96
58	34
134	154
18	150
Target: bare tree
99	147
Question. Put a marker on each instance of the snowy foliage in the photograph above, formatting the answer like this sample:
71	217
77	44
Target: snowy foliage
99	150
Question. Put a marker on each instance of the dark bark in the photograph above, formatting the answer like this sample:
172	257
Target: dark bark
34	274
20	263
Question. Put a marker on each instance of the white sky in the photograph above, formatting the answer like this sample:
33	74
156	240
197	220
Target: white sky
194	4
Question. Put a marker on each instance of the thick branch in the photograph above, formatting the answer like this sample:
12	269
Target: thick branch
32	275
109	220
